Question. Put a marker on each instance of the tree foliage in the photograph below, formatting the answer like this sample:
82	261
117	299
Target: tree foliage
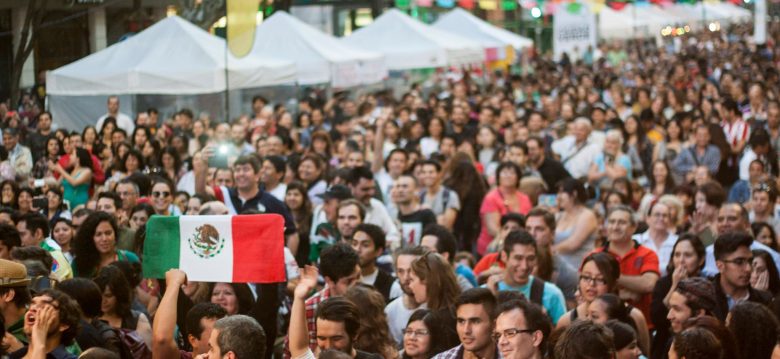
202	13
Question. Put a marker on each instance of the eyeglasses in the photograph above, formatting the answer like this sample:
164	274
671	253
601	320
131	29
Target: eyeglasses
161	194
740	262
510	333
417	333
593	280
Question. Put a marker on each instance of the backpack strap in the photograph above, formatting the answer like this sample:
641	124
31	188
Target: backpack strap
537	290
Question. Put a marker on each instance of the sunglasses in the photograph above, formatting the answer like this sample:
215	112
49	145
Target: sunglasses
161	194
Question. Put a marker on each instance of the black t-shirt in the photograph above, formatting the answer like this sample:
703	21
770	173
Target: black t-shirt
413	224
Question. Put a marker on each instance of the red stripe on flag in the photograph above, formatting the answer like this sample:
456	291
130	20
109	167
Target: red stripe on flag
258	248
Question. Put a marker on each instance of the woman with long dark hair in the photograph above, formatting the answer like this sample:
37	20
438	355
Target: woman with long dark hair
76	183
311	171
301	208
89	137
95	245
62	232
53	152
576	229
433	282
427	334
171	163
598	276
117	303
765	233
661	183
373	336
9	190
686	262
109	125
56	208
235	298
763	275
471	188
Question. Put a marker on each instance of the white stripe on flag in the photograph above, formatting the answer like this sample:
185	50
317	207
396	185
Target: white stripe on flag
217	265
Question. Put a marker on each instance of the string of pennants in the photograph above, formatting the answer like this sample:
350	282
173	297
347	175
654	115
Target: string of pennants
547	7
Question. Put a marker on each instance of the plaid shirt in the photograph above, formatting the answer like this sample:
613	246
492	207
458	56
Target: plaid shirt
311	320
454	353
457	353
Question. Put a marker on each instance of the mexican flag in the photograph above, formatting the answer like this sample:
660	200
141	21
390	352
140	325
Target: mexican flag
233	249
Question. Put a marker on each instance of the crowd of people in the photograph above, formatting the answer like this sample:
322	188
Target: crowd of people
618	203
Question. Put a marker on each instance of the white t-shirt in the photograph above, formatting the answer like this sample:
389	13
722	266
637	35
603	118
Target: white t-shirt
279	191
397	318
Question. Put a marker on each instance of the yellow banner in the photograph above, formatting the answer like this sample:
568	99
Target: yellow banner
241	21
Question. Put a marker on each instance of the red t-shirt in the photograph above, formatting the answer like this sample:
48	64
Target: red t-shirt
639	260
488	261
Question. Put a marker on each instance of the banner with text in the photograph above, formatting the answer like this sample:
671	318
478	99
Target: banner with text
574	31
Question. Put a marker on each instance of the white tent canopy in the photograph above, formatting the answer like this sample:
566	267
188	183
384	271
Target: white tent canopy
319	57
463	23
410	44
696	14
625	24
172	57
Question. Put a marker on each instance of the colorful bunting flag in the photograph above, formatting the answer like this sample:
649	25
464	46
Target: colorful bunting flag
509	5
466	4
488	4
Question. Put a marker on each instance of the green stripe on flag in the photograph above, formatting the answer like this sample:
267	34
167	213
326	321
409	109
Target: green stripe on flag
161	247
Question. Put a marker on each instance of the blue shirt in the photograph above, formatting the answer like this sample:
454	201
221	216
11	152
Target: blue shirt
688	159
623	160
552	298
467	273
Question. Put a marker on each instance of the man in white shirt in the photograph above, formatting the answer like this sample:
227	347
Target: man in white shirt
363	188
271	175
19	156
660	236
577	151
402	307
122	121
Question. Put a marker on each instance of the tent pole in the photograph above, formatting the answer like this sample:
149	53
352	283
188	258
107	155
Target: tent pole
227	82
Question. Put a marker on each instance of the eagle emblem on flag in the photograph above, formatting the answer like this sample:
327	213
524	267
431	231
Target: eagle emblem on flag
206	241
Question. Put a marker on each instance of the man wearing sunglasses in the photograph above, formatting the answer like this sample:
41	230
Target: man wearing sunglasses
735	262
521	330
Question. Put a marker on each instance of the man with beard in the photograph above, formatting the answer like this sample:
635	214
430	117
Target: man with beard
369	243
349	215
474	313
402	307
551	170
